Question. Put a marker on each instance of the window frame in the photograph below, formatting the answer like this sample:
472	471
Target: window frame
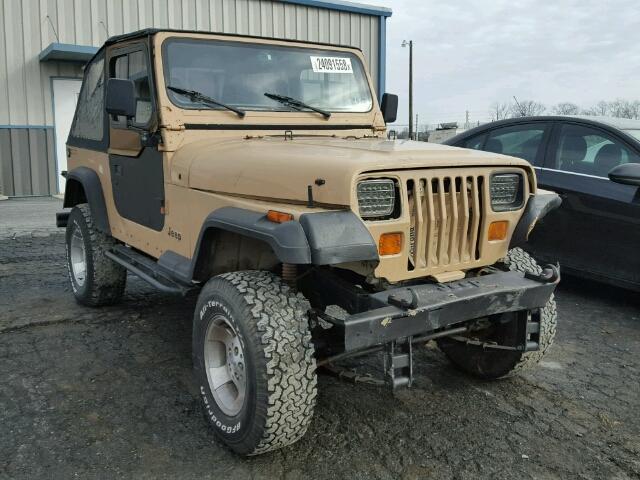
319	47
89	144
546	126
118	51
554	144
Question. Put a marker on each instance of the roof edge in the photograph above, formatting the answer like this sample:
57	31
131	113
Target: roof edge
344	6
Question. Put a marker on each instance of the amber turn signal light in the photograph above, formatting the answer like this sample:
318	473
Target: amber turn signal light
498	230
278	217
390	244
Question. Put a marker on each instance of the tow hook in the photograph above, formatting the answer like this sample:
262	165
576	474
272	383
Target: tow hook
403	302
550	274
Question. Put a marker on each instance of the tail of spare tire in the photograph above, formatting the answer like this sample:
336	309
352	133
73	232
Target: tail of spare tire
254	361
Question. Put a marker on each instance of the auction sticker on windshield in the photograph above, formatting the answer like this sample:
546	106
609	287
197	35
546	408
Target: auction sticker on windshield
331	65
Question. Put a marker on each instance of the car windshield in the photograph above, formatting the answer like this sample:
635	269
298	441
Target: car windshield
239	74
633	133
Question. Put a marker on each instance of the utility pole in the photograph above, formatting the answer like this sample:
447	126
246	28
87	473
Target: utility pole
417	127
404	44
466	122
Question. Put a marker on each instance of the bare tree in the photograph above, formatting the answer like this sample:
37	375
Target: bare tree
500	111
527	108
566	108
622	108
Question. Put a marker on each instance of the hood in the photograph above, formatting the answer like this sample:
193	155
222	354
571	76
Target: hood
279	169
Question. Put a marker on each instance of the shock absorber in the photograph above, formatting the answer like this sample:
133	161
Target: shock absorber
289	273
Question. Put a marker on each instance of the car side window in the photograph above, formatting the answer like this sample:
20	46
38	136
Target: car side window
133	66
88	123
590	151
522	141
475	143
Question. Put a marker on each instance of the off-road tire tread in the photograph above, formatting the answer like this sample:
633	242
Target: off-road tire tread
282	325
518	259
108	278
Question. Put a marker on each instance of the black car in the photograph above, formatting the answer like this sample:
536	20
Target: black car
594	164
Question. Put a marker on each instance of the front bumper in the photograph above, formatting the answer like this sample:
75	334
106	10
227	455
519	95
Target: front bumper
426	308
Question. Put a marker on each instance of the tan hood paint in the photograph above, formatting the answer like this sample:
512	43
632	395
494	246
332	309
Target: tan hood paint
282	169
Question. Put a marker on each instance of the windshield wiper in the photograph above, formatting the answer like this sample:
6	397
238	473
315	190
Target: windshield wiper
293	102
202	98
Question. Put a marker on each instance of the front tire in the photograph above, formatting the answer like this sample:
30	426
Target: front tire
254	361
492	364
95	279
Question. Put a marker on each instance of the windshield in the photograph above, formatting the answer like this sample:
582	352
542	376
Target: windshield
633	133
239	74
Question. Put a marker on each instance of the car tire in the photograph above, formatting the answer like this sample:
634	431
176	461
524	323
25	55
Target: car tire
254	361
95	279
492	364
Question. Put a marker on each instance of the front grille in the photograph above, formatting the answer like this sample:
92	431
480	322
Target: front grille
446	220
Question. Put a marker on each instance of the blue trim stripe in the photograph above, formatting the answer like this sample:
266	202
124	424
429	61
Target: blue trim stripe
344	6
67	52
382	57
34	127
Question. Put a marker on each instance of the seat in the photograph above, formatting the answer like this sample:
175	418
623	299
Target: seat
572	153
608	156
494	145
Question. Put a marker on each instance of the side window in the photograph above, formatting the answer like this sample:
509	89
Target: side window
522	141
133	66
590	151
474	143
88	123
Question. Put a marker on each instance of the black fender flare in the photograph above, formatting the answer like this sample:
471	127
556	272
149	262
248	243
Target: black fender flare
92	187
323	238
537	207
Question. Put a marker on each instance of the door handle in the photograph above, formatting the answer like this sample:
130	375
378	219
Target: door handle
117	170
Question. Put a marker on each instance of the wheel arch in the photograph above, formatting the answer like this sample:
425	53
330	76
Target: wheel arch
249	230
83	186
322	238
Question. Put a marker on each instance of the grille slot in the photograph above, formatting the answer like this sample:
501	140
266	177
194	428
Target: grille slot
446	220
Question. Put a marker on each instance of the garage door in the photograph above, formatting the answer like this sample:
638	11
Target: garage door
65	97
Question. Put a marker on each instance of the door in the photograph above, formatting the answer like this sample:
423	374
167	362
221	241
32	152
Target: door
65	97
137	176
596	230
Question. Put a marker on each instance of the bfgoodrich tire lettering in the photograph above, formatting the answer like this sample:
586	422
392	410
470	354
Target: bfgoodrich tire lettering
103	281
489	364
280	391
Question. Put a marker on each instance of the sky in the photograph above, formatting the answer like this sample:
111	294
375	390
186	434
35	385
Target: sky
469	54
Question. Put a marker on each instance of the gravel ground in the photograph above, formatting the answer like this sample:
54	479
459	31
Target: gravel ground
108	393
29	217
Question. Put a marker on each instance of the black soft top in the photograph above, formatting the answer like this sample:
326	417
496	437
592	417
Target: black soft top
148	32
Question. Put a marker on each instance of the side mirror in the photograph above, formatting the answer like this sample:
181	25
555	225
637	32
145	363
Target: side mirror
389	107
121	97
627	174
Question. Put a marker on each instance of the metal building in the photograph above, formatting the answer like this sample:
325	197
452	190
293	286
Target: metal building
45	43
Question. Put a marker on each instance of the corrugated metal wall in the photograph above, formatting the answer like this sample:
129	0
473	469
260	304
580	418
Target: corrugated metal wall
27	162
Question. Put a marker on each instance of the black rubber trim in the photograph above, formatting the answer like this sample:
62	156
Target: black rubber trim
93	191
537	207
178	265
293	127
287	240
338	237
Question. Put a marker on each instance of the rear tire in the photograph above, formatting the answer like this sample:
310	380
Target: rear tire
95	279
254	361
492	364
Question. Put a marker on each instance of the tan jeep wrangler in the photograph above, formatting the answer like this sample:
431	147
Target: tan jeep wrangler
259	171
